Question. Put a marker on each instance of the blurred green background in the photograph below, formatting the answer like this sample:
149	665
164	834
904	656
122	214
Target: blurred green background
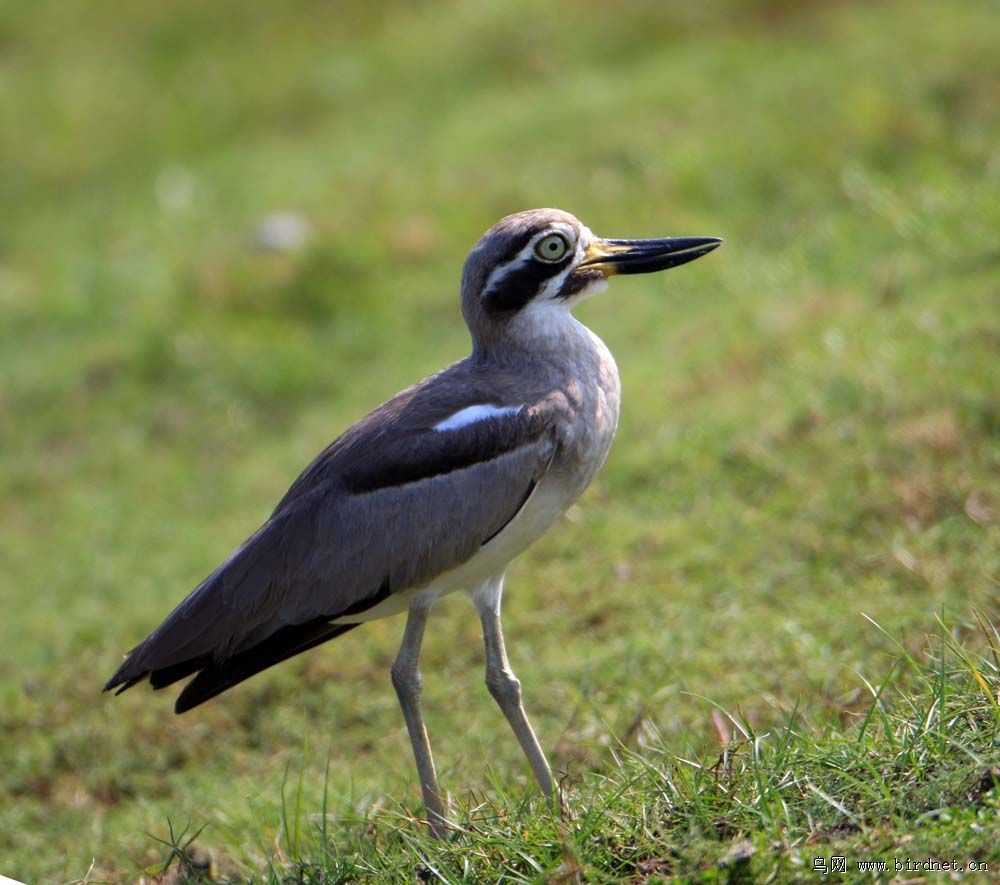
811	419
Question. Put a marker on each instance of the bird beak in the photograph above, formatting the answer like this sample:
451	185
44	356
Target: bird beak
645	256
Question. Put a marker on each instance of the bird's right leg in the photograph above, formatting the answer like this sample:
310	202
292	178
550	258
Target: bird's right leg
504	685
408	682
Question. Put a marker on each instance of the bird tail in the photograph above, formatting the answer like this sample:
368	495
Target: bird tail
214	677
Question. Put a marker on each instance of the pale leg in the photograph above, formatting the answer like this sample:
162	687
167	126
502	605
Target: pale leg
408	682
503	684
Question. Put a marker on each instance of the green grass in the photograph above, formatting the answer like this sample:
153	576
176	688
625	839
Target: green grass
907	778
809	446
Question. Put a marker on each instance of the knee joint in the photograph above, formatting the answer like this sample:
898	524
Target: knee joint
503	685
406	681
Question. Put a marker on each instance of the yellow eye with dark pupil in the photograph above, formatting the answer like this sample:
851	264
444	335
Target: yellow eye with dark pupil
552	248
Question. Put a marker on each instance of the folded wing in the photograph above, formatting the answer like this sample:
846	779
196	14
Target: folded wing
389	506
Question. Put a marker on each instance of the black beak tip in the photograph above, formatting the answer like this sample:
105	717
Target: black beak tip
713	243
647	256
706	243
697	247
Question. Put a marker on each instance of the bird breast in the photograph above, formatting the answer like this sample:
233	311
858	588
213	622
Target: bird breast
594	389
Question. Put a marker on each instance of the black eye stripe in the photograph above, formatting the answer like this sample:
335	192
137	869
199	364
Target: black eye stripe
519	286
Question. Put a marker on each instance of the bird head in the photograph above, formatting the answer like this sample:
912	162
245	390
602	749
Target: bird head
534	266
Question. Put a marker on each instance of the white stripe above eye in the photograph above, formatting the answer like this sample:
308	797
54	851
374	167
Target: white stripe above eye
472	414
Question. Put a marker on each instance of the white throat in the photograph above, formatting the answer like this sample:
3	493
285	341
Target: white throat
549	324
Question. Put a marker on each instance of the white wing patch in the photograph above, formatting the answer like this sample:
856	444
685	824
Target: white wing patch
472	414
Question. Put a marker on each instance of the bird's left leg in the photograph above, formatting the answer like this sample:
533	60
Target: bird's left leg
503	684
408	682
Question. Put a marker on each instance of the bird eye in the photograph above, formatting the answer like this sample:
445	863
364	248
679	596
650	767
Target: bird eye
552	248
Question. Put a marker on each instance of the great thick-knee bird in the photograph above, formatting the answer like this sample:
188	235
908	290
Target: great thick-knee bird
437	490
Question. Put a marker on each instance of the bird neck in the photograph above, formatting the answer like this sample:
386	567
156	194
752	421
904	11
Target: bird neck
544	332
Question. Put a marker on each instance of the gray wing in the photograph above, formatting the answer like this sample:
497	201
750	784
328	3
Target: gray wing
389	506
